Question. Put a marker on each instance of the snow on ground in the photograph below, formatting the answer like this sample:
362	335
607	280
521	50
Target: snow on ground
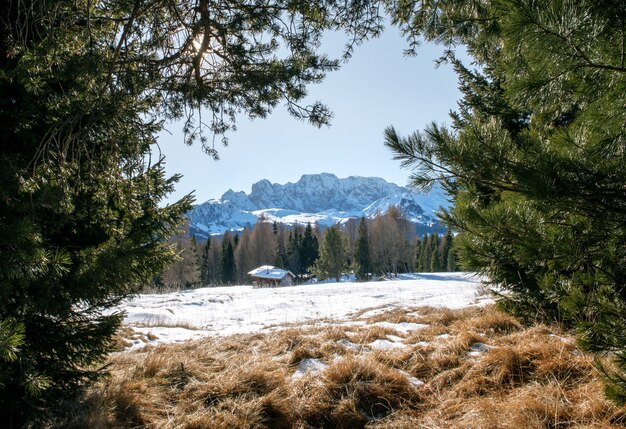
191	314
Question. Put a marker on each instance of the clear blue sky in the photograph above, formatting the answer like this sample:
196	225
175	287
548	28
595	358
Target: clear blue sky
378	87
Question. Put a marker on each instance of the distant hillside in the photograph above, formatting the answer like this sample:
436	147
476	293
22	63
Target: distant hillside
316	198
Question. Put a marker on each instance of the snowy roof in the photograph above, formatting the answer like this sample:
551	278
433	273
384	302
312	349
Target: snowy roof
269	272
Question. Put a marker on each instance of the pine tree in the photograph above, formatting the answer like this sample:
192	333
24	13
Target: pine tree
294	252
309	248
205	267
362	256
86	89
424	261
228	260
333	255
451	265
215	262
534	159
446	245
435	258
281	249
417	253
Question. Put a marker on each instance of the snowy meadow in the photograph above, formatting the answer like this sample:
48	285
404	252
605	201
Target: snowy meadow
422	350
193	314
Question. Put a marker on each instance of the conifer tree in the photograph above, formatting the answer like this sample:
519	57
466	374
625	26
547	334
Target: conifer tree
294	252
534	159
446	245
281	249
451	265
333	255
362	256
228	260
417	253
205	268
309	248
215	264
435	258
86	87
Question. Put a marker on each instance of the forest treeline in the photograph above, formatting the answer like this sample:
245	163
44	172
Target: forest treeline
386	245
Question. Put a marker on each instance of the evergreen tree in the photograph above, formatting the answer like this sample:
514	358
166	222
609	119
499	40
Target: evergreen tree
215	262
362	256
534	160
417	253
309	248
430	249
281	249
86	88
451	265
446	245
333	255
235	241
228	260
294	253
435	254
205	267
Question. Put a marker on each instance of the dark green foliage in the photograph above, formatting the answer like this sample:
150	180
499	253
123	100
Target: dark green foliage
302	250
333	255
534	158
281	249
362	255
294	252
423	263
309	248
228	260
84	89
205	263
446	246
434	254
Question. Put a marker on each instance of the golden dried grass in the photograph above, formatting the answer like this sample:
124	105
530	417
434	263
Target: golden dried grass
518	378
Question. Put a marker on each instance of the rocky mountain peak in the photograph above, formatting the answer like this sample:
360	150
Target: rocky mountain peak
318	198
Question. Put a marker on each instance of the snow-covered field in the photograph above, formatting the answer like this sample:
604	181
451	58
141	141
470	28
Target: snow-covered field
192	314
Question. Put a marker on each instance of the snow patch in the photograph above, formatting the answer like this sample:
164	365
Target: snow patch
403	327
349	345
308	366
386	345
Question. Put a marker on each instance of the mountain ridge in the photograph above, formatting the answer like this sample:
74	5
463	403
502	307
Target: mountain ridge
317	198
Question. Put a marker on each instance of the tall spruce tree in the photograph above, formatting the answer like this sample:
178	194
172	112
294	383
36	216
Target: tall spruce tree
294	252
417	251
362	256
228	260
86	86
435	254
534	158
205	263
446	245
333	254
309	248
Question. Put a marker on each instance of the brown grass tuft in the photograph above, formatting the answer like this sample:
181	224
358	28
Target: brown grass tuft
356	390
487	372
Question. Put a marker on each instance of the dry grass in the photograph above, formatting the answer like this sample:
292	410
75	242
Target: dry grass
469	368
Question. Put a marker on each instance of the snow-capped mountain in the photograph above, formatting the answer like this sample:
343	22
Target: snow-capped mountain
316	198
